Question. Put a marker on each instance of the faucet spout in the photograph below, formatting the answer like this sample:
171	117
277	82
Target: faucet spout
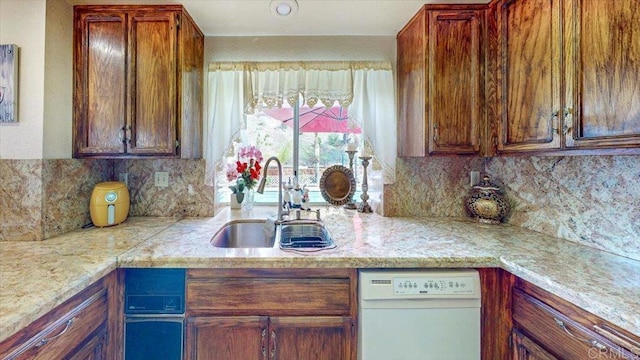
263	182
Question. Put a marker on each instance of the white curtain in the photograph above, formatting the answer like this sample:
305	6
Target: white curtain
366	88
225	115
374	109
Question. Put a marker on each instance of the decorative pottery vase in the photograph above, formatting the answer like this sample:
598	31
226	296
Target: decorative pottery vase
486	203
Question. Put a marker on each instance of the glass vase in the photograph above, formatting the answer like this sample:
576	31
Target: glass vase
247	203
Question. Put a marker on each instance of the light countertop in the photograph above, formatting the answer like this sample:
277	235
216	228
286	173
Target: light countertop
37	276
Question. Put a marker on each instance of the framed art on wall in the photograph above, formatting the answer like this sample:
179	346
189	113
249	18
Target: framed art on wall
8	83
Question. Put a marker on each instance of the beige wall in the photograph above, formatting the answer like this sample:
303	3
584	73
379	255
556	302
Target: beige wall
22	22
305	48
58	80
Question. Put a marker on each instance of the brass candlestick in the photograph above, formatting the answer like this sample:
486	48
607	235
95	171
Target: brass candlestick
350	203
364	206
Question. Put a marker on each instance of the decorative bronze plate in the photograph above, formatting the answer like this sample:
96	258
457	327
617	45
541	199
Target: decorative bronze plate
337	185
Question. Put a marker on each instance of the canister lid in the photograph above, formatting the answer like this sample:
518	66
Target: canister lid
110	185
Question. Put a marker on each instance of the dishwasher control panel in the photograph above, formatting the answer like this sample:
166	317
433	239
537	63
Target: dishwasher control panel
433	286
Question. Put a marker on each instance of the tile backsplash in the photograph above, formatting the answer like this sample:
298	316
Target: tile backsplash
21	199
186	195
40	199
592	200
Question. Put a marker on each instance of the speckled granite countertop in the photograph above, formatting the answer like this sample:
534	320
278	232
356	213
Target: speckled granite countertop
37	276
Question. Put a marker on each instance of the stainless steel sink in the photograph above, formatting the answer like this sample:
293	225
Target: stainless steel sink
300	235
244	234
305	235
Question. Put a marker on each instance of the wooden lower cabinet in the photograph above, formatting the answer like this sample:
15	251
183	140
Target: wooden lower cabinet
285	314
548	327
262	337
527	349
84	328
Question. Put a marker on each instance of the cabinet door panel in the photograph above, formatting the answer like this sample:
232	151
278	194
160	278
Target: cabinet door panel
83	327
529	67
455	81
153	38
100	71
525	349
310	338
227	338
412	131
559	334
604	66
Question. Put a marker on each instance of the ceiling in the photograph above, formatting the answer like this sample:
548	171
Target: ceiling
313	18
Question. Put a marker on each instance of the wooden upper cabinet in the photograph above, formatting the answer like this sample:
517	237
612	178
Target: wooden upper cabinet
441	59
567	76
412	126
100	92
137	82
603	73
152	83
528	74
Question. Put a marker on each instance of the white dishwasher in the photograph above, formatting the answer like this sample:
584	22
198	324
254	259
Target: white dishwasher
419	315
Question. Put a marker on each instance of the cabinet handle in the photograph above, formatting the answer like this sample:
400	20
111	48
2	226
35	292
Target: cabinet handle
127	133
593	343
552	123
263	343
619	339
435	133
45	341
273	344
568	123
122	133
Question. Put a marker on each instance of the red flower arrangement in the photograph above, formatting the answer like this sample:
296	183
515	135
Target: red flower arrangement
246	171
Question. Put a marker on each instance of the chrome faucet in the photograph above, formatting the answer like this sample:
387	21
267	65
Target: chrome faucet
263	182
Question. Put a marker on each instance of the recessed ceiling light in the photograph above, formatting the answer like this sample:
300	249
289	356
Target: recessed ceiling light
283	7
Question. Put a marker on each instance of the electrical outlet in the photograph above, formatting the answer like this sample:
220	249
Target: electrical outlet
161	178
474	177
124	177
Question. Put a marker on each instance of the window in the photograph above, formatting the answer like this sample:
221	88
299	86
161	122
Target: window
236	118
322	135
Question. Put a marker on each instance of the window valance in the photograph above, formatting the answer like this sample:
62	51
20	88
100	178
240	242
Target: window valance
273	83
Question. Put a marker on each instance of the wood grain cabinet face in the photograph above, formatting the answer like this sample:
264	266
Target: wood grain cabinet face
567	76
77	329
602	73
527	349
542	331
528	74
262	337
138	75
270	314
441	57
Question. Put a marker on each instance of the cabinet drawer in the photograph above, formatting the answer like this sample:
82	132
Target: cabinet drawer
559	334
62	335
269	292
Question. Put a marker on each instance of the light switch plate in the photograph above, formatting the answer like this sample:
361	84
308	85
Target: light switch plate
161	178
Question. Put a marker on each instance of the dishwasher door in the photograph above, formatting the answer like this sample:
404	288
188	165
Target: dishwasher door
419	315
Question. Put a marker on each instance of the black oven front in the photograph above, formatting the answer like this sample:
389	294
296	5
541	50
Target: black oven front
154	314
